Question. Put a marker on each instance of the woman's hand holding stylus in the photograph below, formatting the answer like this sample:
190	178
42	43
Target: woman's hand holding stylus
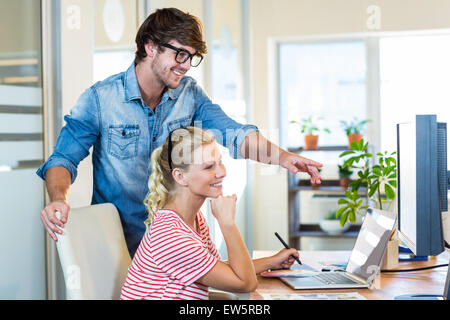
283	259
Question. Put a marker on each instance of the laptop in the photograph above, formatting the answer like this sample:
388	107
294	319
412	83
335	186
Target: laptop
365	259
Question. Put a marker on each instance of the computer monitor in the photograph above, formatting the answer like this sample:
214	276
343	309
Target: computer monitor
423	183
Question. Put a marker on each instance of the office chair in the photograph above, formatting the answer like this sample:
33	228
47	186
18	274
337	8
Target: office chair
93	253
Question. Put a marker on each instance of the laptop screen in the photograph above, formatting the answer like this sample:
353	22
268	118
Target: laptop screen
371	243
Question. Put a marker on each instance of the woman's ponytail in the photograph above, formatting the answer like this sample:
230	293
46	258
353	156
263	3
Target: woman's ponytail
158	193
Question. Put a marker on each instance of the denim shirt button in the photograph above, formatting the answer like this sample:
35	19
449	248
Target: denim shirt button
154	139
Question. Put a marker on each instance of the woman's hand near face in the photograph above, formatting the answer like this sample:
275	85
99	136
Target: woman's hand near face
224	209
239	273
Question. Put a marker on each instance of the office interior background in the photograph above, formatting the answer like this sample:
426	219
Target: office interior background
269	62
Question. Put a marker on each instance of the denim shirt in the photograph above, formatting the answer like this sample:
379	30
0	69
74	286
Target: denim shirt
112	117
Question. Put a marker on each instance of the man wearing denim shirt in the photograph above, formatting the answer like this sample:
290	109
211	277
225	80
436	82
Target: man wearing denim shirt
128	115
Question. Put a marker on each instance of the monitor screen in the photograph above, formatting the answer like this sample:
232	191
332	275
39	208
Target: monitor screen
422	184
407	176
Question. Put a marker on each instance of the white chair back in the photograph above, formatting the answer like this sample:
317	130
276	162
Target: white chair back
93	253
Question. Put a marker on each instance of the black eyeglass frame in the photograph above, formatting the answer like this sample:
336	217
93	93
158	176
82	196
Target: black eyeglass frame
179	50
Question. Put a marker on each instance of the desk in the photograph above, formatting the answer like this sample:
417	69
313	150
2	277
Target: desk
386	285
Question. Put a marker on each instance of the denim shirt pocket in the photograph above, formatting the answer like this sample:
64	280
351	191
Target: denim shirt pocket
123	140
179	123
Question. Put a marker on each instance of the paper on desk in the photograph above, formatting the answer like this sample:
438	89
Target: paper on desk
314	296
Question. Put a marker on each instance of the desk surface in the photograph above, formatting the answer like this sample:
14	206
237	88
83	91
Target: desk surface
386	285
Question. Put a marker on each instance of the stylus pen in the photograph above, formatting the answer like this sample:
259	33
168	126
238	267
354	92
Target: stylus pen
286	246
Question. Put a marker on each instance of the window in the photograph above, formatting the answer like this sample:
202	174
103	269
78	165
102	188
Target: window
107	63
415	79
324	79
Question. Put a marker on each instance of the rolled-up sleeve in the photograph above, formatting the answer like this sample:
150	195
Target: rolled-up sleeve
228	132
81	131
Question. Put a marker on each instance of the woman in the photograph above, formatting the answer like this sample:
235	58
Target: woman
176	258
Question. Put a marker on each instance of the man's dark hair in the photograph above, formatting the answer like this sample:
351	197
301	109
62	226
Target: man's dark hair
168	24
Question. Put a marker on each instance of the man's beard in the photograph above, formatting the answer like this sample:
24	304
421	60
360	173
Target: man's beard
163	75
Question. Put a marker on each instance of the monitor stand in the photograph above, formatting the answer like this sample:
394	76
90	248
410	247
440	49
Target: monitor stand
405	254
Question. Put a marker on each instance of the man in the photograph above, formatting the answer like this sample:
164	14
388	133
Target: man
128	115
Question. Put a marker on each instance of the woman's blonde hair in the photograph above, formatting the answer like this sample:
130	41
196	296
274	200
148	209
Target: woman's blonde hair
161	184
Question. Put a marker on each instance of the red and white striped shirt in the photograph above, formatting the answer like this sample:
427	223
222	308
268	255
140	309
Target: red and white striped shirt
170	259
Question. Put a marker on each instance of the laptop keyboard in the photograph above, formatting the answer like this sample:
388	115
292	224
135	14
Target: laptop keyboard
331	278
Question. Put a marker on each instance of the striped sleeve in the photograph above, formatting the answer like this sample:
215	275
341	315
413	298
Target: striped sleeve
181	255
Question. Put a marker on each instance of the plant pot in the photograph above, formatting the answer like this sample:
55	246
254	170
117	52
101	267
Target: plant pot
311	142
333	227
344	182
354	137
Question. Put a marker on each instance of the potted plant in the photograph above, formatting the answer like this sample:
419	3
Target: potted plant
331	224
311	130
354	130
376	179
344	176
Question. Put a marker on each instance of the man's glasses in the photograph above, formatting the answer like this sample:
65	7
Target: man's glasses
183	55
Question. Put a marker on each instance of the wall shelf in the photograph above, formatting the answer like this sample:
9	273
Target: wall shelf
313	230
297	230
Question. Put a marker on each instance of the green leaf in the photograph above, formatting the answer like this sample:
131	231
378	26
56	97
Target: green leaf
365	146
355	184
343	154
343	218
340	210
377	171
366	173
388	170
392	159
393	183
342	201
373	189
354	145
351	195
361	145
393	176
390	193
352	217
